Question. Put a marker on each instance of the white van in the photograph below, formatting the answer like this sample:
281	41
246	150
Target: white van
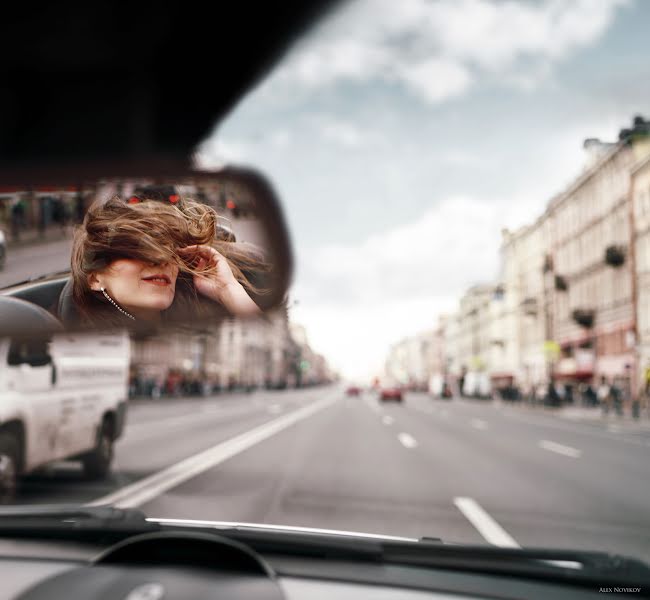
477	385
61	398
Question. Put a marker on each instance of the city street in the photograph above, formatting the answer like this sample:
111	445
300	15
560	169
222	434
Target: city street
464	471
33	260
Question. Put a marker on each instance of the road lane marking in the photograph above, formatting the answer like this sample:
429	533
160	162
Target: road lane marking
613	428
274	409
560	449
484	523
479	424
388	420
146	489
407	441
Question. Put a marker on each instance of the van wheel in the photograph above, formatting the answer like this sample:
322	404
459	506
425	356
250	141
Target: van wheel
97	463
8	468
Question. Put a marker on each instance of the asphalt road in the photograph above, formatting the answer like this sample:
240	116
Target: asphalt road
33	260
459	470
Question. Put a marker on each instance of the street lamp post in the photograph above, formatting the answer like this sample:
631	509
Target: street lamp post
549	281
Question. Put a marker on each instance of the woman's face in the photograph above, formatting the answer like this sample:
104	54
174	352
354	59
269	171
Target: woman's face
142	289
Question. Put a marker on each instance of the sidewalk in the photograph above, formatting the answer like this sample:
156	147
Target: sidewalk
596	414
589	415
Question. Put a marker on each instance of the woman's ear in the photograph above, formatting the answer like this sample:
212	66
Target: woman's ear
94	282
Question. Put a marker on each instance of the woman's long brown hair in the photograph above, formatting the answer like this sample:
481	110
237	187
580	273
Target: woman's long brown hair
153	232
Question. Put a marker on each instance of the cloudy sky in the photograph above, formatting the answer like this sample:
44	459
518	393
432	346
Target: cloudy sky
403	136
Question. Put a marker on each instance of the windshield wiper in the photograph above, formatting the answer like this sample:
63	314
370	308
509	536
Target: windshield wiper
563	566
73	521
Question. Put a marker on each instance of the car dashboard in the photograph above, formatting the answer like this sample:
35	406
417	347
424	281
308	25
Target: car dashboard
189	566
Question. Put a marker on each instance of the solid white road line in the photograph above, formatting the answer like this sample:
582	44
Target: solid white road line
560	449
406	440
148	488
479	424
484	523
388	420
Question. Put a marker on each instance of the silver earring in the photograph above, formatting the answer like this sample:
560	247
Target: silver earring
116	305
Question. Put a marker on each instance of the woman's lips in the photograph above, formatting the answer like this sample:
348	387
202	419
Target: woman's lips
160	280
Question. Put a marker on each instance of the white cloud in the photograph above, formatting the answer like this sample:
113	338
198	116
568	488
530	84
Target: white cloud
439	49
215	152
280	139
356	299
345	133
496	34
437	79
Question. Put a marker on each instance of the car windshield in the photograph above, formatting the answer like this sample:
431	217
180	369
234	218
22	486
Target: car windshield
464	352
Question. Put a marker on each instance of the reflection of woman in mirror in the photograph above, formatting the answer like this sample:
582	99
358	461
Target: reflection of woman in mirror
149	259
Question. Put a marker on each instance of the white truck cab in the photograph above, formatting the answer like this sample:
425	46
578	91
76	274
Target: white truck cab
62	397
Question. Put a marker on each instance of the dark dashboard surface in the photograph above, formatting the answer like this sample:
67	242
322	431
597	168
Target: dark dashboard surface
36	569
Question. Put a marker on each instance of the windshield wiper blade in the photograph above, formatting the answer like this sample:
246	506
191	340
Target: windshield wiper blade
61	519
566	565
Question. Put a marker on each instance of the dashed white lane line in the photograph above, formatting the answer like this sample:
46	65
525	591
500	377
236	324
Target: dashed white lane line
387	420
484	523
479	424
560	449
407	441
144	490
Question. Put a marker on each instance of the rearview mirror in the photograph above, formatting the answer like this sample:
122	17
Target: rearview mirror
187	248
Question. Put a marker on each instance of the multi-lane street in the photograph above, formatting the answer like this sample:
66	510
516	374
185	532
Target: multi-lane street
464	471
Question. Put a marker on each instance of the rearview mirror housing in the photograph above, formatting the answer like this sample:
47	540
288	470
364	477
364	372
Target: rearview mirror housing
42	211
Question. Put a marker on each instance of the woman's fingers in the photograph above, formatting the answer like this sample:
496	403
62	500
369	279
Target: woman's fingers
202	255
204	252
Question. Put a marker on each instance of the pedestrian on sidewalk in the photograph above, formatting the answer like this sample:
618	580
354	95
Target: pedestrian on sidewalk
604	394
17	218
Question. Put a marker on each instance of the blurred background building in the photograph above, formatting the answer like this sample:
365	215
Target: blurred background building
242	354
572	304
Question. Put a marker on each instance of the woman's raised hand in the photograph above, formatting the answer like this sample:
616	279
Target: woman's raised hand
219	283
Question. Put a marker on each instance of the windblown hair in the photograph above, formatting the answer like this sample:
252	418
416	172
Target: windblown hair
152	231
